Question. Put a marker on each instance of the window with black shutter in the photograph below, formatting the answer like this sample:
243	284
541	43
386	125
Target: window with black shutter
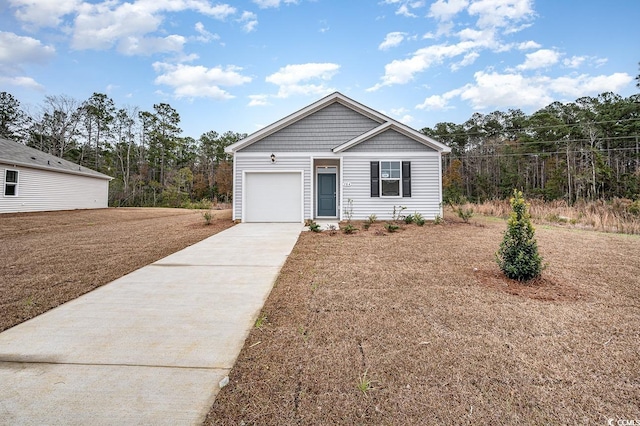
391	179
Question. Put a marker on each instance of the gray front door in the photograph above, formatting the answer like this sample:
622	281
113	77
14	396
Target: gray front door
327	194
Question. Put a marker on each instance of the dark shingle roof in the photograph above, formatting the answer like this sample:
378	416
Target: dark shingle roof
15	153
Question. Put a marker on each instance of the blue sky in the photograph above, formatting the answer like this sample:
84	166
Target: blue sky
242	65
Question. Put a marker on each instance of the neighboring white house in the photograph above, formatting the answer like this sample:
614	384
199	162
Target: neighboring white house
333	158
31	180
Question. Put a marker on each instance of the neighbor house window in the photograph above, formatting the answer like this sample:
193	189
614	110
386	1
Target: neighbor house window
10	183
391	179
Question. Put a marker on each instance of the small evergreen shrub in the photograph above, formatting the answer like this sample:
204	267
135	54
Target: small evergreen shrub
464	214
391	227
314	226
349	228
207	216
518	255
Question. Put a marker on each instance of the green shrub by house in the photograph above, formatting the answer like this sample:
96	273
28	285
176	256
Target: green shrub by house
518	254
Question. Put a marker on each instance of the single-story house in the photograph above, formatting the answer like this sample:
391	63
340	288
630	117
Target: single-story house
335	159
31	180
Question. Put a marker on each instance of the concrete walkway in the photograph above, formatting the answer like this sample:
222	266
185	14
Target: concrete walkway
149	348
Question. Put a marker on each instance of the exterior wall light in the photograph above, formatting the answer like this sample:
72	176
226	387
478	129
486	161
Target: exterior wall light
273	158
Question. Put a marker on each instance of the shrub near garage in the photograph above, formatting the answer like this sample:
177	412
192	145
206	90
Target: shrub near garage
518	255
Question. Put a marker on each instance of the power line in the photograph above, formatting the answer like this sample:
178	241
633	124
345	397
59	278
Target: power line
525	129
531	154
518	144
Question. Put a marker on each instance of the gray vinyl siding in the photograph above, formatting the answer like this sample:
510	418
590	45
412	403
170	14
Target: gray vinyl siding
425	187
253	163
390	141
44	190
320	131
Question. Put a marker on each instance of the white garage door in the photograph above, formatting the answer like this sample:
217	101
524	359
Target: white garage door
273	197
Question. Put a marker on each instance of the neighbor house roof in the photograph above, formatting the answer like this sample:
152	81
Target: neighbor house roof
16	154
386	123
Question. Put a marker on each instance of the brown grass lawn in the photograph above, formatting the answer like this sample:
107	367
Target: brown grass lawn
418	327
49	258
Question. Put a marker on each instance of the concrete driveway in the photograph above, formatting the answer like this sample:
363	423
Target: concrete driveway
150	347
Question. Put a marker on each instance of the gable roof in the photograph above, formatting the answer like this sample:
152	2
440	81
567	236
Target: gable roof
385	124
17	154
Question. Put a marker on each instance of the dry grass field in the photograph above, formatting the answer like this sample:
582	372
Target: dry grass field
49	258
418	327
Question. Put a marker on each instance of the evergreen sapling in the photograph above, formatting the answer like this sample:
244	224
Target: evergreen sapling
518	254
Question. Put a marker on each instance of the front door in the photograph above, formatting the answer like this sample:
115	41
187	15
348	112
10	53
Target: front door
327	194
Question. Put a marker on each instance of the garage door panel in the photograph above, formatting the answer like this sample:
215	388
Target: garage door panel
273	197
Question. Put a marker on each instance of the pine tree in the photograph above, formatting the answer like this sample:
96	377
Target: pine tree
518	254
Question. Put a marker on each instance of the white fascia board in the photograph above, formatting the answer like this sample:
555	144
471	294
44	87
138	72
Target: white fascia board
53	169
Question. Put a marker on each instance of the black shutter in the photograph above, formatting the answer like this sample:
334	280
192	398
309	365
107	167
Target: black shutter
375	179
406	178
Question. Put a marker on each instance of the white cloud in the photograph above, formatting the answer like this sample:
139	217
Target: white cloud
100	27
502	90
433	103
601	61
402	71
16	50
583	85
468	59
249	21
149	45
392	40
43	13
494	19
129	26
205	36
574	61
444	10
297	79
406	7
439	102
196	81
495	90
264	4
501	13
21	81
529	45
539	59
258	100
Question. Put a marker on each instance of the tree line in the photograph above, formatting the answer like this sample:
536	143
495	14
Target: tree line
583	150
152	163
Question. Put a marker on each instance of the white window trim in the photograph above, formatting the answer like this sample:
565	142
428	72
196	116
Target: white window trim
398	179
15	184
